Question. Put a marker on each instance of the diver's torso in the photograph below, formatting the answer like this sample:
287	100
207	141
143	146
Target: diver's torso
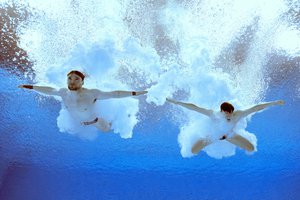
81	103
222	124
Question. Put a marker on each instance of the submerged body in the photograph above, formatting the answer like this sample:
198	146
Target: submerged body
81	105
79	102
227	119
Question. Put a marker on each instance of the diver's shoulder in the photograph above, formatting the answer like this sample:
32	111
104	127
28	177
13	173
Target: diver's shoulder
92	90
63	90
237	113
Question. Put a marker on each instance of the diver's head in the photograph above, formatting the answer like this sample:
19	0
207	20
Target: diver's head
75	80
228	109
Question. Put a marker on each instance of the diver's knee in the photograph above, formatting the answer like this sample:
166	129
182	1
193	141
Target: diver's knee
106	129
105	126
250	147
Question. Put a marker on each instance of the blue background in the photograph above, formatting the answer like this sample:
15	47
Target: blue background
39	162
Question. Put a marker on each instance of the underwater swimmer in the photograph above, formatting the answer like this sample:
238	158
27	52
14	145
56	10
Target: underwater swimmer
231	117
80	101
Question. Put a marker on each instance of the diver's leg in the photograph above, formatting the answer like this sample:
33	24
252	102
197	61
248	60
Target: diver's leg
103	125
241	142
199	145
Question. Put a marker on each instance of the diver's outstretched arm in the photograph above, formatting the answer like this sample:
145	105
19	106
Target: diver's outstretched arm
41	89
117	94
259	107
192	107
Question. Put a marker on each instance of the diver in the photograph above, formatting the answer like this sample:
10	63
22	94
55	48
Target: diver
79	100
230	117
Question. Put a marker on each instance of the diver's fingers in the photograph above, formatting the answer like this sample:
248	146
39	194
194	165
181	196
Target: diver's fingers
142	92
280	102
170	100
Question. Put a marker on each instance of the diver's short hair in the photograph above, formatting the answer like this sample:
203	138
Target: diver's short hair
77	73
225	106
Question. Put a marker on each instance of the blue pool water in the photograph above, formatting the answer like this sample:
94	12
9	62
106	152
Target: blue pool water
39	162
203	52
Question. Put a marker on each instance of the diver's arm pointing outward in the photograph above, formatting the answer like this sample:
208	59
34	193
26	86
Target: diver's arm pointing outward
192	107
259	107
41	89
116	94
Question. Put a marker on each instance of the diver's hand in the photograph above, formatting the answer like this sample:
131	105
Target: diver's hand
139	93
280	102
171	100
26	86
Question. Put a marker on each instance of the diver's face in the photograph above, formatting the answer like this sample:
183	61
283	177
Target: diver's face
75	82
227	114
